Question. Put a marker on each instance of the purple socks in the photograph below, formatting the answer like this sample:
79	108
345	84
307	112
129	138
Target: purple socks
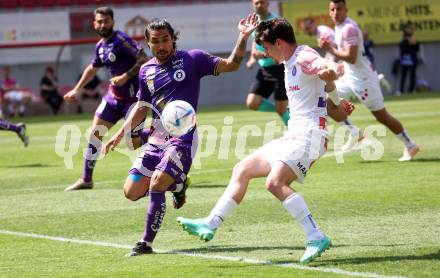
156	212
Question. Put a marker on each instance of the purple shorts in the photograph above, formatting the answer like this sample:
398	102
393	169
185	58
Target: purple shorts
174	159
112	109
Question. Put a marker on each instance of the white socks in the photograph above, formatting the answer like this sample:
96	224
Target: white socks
404	137
224	207
297	207
354	130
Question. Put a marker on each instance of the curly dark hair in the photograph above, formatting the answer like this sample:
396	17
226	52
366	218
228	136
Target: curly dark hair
158	24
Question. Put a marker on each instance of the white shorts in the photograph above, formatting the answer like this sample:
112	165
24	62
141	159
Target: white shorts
299	152
368	91
14	96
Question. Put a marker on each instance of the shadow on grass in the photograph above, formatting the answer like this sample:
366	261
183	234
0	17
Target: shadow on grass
35	165
204	185
378	161
222	248
364	260
432	159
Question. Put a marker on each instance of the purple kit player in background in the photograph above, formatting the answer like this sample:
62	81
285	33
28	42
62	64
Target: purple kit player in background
19	128
171	75
123	57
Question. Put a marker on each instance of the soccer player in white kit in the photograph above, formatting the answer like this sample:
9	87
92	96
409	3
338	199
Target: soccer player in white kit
360	79
321	32
308	77
325	33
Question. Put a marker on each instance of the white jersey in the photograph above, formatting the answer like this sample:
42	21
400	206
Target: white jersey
346	34
305	91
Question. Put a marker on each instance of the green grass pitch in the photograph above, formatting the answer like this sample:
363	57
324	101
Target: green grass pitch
383	216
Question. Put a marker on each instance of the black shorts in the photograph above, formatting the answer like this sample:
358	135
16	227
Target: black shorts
270	80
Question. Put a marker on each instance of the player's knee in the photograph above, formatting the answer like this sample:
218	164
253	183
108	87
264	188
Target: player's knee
241	170
130	195
273	185
252	103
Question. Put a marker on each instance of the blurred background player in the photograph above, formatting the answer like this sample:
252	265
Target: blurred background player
123	57
359	78
285	160
19	129
325	33
270	76
170	75
49	90
321	32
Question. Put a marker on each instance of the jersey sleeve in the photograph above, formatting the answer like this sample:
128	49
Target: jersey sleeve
130	46
350	35
96	61
143	93
309	61
204	62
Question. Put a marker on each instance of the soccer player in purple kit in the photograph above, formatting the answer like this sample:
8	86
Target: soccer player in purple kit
171	75
123	57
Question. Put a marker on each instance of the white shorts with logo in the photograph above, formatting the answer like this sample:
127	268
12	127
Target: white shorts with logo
367	91
298	151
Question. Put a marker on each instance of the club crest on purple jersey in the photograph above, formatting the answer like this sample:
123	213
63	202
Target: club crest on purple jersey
112	57
179	75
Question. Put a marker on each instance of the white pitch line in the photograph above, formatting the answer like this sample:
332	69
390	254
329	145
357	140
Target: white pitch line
205	256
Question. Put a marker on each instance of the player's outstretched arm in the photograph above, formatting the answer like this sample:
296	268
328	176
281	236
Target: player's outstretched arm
348	55
136	117
246	26
86	77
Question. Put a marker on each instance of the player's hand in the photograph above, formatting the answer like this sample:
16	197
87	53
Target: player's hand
247	25
327	75
250	63
325	45
259	54
71	95
112	143
119	80
347	106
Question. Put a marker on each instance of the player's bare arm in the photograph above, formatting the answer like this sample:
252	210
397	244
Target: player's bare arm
329	72
246	26
120	80
86	77
348	55
136	117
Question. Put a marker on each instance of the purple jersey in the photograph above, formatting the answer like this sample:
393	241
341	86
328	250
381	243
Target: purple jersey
118	54
177	79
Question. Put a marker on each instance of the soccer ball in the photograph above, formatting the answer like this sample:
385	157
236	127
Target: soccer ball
178	117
